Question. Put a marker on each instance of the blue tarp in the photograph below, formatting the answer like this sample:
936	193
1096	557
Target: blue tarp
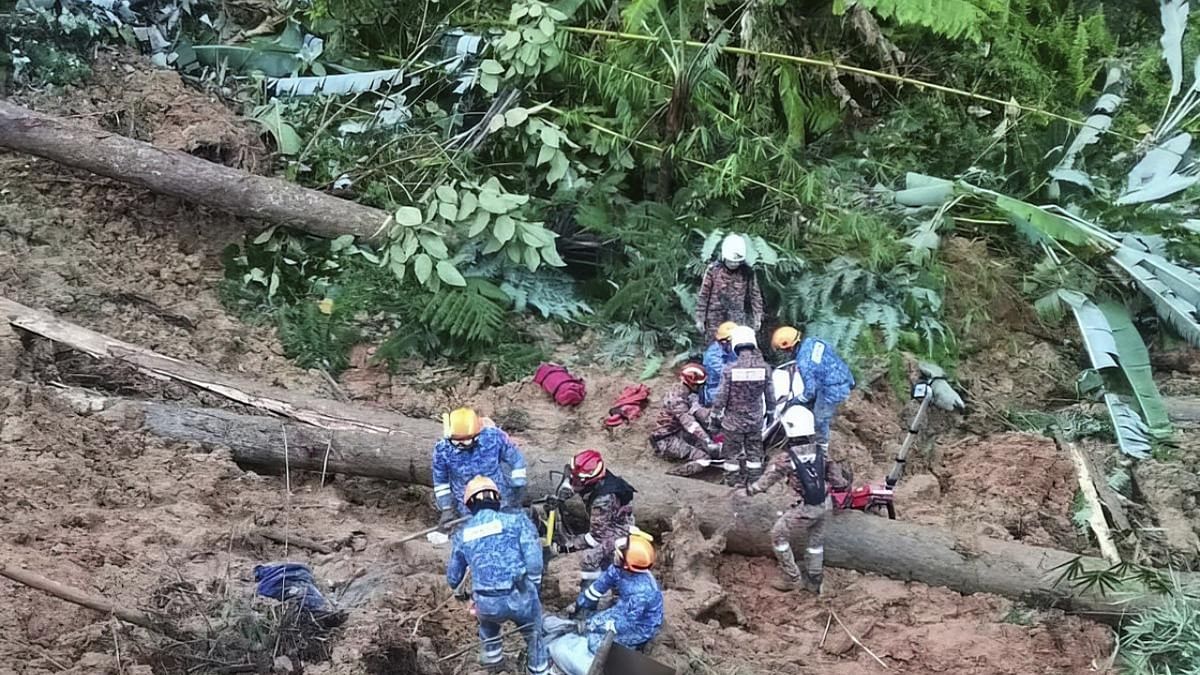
286	581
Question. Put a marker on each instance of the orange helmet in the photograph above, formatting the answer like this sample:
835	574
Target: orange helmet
634	552
693	375
725	331
461	427
785	337
587	468
481	487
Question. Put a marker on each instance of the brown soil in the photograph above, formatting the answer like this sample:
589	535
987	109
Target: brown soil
116	512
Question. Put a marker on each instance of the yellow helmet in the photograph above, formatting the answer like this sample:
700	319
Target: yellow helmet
785	337
480	487
725	330
461	426
635	552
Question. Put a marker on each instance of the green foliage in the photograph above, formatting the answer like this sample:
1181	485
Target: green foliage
949	18
41	47
1164	640
474	314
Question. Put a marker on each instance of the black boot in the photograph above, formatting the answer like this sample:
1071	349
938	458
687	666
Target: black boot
812	583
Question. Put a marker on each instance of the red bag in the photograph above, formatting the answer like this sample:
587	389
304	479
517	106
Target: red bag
628	406
565	388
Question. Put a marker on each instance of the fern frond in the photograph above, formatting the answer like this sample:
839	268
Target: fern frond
950	18
466	313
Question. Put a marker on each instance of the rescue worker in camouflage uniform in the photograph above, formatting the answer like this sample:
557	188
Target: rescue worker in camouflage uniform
504	555
741	409
716	357
680	431
809	473
472	449
729	290
827	379
637	615
609	502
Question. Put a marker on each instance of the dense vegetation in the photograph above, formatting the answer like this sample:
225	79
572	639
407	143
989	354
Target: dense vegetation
572	164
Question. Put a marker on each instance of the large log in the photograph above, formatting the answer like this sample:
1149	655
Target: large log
856	541
367	441
185	176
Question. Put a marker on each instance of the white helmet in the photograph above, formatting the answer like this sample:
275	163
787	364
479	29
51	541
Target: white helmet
743	336
798	422
733	250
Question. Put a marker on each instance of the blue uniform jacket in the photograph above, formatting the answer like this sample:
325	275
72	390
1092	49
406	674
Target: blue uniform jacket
825	374
715	360
500	548
637	614
453	468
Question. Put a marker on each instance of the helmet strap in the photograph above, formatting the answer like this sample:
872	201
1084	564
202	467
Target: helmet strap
480	504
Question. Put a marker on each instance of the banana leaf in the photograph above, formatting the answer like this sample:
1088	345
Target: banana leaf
1044	222
1093	326
1135	364
922	190
1132	436
1174	290
1174	15
247	59
350	83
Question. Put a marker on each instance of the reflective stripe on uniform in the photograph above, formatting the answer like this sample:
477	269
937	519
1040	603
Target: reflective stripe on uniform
441	489
493	651
816	550
783	547
731	466
754	465
592	594
591	541
818	352
589	574
518	473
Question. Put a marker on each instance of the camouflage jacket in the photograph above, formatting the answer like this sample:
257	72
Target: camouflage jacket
493	451
637	614
610	511
745	389
782	467
500	548
728	295
825	374
682	411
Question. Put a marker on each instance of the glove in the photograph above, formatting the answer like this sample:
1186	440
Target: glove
714	449
444	519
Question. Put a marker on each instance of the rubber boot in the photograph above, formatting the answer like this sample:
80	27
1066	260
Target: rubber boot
733	473
789	573
812	583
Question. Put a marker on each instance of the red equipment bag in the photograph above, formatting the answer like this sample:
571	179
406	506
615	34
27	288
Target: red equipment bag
628	406
565	388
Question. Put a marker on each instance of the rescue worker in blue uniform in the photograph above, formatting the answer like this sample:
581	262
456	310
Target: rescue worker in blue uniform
637	614
718	355
827	379
471	449
505	557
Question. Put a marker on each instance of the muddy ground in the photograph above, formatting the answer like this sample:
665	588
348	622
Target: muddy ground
156	524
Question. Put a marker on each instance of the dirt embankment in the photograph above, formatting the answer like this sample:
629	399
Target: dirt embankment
112	511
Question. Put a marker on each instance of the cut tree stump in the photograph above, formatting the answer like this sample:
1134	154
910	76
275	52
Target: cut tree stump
185	176
367	441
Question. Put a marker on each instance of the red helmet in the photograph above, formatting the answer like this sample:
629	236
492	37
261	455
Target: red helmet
693	375
587	468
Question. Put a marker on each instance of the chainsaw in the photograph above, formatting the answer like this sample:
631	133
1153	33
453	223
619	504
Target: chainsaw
546	514
879	498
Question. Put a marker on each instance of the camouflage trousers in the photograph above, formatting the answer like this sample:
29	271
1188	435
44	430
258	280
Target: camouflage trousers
678	446
803	519
744	456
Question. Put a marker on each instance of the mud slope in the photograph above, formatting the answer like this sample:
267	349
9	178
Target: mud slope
93	504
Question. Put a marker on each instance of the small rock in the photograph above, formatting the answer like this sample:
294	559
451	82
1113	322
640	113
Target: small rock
13	430
282	665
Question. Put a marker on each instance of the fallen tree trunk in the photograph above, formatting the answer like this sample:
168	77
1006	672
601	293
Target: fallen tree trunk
100	604
185	176
854	541
362	440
